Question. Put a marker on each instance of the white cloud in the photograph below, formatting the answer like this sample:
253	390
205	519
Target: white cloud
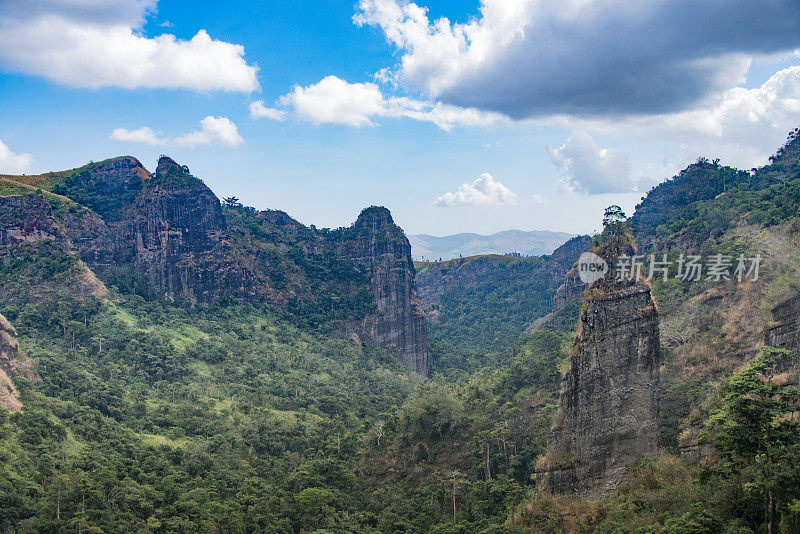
540	199
259	111
744	126
528	58
483	191
335	101
741	126
89	43
588	168
12	163
212	131
140	135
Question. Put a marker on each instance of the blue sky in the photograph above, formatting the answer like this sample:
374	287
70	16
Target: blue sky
509	114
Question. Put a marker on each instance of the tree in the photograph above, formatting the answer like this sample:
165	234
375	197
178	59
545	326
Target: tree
612	215
12	511
757	433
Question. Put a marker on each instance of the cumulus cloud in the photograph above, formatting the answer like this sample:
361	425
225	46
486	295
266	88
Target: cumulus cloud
92	43
212	131
741	126
140	135
259	111
481	192
12	163
336	101
528	58
588	168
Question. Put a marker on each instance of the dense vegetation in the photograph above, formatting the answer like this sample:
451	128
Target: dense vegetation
162	417
475	321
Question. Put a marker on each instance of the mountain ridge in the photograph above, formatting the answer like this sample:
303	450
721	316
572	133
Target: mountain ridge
525	243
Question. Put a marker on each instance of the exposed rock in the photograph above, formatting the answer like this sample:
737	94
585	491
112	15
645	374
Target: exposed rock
178	233
564	259
690	447
168	231
381	251
169	228
784	330
106	187
13	363
27	219
440	278
608	410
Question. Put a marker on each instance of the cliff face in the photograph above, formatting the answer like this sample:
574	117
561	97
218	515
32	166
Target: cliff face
26	219
379	249
784	330
179	238
169	233
168	228
13	363
608	410
438	279
29	230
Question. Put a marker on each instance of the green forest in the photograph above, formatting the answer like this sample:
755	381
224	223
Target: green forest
154	416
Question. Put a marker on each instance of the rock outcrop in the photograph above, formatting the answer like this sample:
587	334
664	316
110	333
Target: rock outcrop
608	410
380	250
166	235
179	238
13	363
27	222
784	330
27	219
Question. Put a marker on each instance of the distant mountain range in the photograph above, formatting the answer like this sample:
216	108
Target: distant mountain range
533	243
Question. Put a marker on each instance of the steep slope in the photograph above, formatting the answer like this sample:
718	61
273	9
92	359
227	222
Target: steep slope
608	409
13	363
37	258
477	304
379	249
166	235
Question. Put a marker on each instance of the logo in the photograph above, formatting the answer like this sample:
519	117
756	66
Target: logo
591	267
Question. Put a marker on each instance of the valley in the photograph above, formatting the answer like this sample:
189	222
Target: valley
175	362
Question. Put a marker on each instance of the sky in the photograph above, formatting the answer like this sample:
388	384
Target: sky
459	116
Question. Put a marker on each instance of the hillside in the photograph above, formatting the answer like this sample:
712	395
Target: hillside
477	305
177	363
532	243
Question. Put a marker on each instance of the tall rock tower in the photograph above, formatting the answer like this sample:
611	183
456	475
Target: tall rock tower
608	411
379	249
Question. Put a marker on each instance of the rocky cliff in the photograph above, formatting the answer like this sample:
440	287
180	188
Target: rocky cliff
13	363
380	250
179	238
784	330
29	235
608	410
169	234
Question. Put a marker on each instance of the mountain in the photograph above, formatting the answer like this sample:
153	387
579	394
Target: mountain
170	362
166	235
534	243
